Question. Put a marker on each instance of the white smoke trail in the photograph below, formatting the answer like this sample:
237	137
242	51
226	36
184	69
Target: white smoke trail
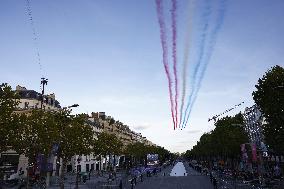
202	47
186	54
211	45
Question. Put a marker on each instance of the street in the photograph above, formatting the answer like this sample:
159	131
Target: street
193	180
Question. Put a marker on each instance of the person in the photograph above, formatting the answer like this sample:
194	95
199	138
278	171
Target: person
277	172
84	178
155	171
148	173
110	176
211	176
141	176
21	172
132	183
114	173
120	184
214	182
135	180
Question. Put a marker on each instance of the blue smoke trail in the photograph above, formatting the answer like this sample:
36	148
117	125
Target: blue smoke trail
206	15
211	45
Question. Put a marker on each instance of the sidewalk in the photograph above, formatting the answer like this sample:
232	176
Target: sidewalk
94	182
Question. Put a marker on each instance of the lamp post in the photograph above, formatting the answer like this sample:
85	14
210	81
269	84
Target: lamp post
43	82
71	106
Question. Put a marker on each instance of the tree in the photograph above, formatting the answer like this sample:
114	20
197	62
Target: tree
74	137
107	144
138	151
8	120
269	96
36	135
224	141
8	123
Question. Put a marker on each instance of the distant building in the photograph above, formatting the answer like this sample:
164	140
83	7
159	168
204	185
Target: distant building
120	130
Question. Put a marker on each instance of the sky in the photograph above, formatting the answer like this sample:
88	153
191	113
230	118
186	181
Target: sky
105	55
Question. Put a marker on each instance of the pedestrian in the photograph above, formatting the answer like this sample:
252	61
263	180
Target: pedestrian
132	183
120	184
114	173
84	178
215	183
141	176
211	177
135	180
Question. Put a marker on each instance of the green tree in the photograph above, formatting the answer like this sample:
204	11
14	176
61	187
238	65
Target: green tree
269	96
36	135
138	152
224	141
8	120
107	144
74	138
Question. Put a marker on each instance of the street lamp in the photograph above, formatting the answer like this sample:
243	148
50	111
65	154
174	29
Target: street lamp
72	106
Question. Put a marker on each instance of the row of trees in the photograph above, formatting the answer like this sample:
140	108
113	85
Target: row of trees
229	133
224	141
34	132
138	153
37	132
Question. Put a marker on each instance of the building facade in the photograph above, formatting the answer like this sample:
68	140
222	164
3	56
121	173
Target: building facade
30	99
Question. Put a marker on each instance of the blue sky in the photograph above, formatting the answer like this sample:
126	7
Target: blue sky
106	56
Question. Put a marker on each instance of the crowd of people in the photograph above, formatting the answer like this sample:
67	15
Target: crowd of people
272	175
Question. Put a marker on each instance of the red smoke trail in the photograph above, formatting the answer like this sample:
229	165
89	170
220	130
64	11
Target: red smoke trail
165	52
174	55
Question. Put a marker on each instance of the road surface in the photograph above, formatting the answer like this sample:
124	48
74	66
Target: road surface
192	180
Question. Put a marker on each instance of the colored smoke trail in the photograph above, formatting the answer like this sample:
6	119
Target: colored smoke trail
174	56
211	45
35	38
206	15
186	54
163	37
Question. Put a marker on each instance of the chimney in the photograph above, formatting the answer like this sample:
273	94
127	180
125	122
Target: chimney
20	88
